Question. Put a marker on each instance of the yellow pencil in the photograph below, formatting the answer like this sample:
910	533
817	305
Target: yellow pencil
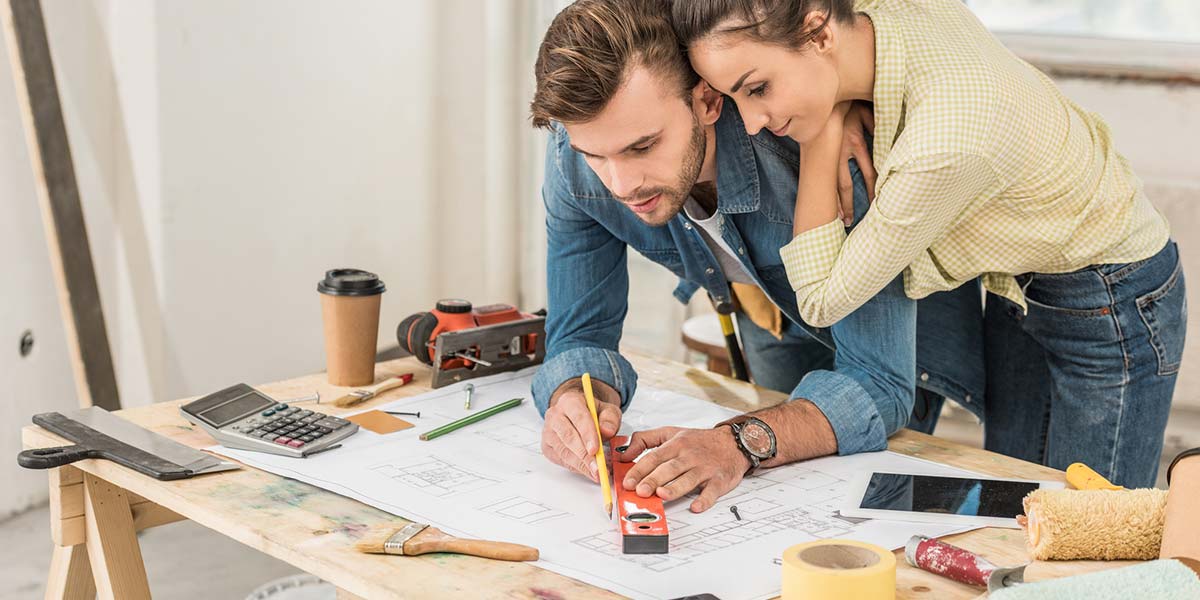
601	464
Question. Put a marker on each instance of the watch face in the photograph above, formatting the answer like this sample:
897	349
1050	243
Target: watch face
757	439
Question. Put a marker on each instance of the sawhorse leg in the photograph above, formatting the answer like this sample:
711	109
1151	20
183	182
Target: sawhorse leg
94	525
70	574
112	544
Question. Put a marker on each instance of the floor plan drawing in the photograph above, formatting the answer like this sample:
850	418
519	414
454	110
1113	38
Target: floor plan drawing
490	481
523	510
434	476
516	436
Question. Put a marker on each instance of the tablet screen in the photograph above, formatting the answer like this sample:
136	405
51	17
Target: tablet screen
946	495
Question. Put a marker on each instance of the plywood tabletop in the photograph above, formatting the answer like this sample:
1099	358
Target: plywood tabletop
315	530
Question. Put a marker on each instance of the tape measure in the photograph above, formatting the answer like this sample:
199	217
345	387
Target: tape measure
642	522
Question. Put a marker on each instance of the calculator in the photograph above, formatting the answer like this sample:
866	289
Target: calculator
244	418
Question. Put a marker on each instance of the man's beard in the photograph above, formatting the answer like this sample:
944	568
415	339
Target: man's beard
674	197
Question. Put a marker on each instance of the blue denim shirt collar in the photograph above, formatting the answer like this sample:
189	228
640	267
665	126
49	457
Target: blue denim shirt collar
737	170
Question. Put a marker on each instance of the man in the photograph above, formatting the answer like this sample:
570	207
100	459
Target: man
642	154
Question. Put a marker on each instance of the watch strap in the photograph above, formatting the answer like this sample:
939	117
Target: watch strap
735	429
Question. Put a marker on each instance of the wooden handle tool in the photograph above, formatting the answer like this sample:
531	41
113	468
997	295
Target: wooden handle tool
419	538
362	395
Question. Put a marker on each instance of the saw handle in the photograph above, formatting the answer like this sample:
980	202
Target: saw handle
49	458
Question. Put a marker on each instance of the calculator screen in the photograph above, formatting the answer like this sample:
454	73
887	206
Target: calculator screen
245	404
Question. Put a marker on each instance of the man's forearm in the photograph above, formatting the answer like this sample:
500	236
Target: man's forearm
801	432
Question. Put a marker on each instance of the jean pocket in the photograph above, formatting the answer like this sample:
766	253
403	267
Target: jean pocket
1052	302
1164	312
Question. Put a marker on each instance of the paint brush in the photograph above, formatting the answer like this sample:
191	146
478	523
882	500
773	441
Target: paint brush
355	397
417	538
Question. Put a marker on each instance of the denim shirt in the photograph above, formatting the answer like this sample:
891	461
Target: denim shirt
867	398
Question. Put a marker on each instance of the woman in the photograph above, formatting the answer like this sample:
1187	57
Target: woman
985	171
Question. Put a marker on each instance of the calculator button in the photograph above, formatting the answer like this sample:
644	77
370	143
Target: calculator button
282	440
268	412
307	438
324	430
305	413
280	406
296	443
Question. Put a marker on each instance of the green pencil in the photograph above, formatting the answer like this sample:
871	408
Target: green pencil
467	420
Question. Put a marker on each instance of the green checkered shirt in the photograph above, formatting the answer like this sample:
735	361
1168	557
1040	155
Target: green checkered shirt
985	170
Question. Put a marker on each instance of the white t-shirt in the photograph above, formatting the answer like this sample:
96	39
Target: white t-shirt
710	229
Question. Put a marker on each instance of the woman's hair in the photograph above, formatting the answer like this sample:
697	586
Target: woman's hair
779	22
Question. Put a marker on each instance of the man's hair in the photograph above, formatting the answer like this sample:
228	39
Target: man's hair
590	49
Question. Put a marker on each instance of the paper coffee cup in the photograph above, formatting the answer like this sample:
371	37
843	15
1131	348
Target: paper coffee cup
350	301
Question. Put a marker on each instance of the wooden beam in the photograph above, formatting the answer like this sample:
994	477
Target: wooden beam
58	194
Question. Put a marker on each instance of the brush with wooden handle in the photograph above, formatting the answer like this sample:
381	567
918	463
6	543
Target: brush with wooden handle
418	538
362	395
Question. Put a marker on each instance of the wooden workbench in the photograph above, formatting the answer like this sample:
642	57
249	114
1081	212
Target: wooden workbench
96	506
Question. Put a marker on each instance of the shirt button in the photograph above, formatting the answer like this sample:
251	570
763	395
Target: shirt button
967	398
687	225
924	376
709	271
741	250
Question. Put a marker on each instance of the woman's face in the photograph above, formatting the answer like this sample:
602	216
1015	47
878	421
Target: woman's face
789	92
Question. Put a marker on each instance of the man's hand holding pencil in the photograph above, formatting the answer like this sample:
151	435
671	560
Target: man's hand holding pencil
569	433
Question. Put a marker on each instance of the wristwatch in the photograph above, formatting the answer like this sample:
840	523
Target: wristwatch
754	438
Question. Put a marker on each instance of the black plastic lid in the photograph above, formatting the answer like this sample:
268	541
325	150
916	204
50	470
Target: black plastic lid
350	282
453	306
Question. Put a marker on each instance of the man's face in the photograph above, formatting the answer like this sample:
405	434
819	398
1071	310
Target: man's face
647	146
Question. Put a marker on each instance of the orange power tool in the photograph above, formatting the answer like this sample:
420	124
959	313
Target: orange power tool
461	341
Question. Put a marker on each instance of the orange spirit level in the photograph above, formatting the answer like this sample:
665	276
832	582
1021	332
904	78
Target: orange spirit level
641	521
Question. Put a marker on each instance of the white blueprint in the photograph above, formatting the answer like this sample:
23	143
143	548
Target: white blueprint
490	481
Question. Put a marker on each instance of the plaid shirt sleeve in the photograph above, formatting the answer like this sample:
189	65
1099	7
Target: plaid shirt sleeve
833	273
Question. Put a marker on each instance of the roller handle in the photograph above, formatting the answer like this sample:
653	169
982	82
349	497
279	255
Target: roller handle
49	458
1083	477
949	561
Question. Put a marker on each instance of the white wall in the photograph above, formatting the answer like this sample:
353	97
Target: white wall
229	152
42	381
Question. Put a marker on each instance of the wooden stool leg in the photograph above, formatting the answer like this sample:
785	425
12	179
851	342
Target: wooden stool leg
112	545
70	575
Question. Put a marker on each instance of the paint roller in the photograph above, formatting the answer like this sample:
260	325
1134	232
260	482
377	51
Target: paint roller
1094	524
1105	522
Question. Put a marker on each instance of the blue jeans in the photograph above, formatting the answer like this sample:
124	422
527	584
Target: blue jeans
1088	373
780	364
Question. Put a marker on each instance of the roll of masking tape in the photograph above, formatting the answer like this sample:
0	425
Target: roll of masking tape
829	569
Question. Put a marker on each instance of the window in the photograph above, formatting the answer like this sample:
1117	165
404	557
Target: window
1146	20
